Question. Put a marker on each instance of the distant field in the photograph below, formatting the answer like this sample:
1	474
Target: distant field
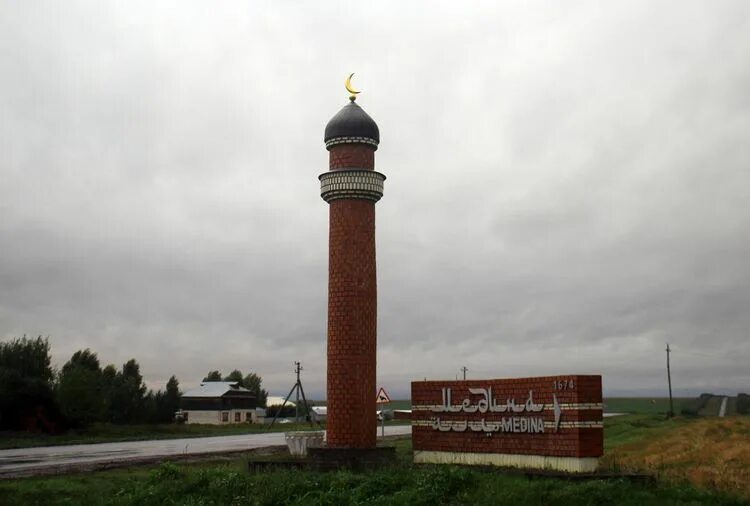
643	405
397	404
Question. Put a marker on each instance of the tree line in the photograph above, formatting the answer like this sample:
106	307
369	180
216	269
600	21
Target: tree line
34	396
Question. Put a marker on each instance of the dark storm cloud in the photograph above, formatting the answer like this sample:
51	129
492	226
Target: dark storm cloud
567	186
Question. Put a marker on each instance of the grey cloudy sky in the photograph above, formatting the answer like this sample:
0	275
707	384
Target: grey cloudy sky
568	185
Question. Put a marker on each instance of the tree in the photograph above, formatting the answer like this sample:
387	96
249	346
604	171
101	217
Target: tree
149	409
213	376
168	402
160	406
128	394
26	396
253	383
109	378
85	359
29	357
235	377
80	389
173	389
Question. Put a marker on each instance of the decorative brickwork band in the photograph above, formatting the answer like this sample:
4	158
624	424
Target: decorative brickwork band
351	184
351	140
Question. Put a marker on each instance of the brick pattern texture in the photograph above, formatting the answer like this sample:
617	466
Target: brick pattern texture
351	156
567	442
352	311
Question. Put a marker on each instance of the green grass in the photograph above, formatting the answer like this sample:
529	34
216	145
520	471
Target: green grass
230	482
397	404
105	433
709	452
620	430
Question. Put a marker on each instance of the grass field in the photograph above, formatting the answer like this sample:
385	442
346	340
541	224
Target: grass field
397	404
712	453
679	451
643	405
622	430
229	482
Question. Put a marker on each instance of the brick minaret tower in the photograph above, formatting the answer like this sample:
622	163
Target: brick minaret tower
351	188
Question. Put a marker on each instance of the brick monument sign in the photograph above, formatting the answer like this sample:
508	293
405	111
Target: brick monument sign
551	422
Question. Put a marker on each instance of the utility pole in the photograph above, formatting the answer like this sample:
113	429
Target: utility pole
669	380
298	387
463	370
297	369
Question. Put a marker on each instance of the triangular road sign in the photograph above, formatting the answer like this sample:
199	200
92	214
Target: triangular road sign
382	397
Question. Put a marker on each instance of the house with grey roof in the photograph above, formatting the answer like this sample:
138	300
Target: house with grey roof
220	402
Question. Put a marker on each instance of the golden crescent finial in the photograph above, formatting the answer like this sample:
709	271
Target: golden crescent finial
350	89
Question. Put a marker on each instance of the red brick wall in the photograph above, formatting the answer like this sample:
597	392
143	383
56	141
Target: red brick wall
400	415
565	442
351	156
352	312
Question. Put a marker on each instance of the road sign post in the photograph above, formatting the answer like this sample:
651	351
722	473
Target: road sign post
382	398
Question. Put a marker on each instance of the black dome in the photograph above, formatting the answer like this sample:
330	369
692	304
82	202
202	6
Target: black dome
350	125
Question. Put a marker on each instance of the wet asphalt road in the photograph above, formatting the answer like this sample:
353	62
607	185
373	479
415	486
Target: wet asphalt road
46	458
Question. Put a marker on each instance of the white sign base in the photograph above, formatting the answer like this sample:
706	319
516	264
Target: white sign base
567	464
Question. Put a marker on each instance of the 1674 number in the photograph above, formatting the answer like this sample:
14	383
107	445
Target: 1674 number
567	384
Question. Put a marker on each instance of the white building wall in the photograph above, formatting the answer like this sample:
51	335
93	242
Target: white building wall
215	417
209	417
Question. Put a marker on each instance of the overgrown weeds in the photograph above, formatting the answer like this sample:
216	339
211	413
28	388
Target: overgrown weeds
712	453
